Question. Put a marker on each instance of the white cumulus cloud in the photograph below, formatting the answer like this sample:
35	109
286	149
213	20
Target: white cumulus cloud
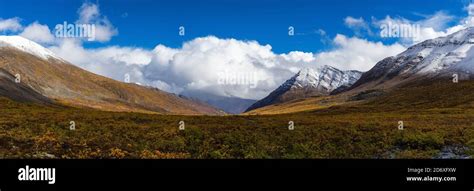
89	13
38	33
359	25
10	25
356	54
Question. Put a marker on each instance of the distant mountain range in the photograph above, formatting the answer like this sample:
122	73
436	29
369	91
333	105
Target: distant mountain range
310	82
433	64
231	105
46	78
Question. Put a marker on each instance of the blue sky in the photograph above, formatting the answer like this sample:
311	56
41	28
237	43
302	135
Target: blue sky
146	23
229	38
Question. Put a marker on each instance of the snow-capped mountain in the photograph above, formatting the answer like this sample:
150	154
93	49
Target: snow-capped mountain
27	46
310	82
440	57
324	79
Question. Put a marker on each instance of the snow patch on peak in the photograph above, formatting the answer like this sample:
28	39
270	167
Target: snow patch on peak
435	58
27	46
306	77
437	55
324	78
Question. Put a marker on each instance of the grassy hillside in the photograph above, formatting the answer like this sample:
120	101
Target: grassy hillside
70	85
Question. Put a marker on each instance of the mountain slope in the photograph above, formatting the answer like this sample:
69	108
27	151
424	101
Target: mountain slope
67	84
19	92
309	82
432	59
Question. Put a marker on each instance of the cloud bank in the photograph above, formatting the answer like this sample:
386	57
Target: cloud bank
200	63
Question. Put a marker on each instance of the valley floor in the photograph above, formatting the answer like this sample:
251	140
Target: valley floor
32	131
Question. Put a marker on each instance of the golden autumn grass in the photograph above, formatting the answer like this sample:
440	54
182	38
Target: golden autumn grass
369	129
